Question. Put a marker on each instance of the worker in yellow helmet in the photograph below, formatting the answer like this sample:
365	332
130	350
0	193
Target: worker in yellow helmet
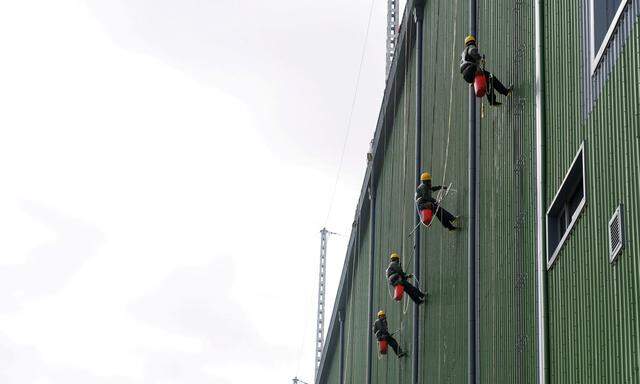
428	206
470	65
381	330
396	276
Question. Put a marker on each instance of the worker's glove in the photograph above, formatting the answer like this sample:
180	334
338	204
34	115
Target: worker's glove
409	276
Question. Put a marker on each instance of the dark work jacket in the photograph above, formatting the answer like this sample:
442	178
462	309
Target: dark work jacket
395	273
380	328
423	195
470	62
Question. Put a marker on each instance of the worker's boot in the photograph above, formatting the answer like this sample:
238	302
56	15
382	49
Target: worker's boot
457	223
402	354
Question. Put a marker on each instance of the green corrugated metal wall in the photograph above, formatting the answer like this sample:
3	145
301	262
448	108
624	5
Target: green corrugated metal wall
507	201
592	304
391	229
444	254
507	243
334	370
356	331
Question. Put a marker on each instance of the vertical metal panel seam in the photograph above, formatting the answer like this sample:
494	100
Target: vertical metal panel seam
540	200
419	19
471	294
372	223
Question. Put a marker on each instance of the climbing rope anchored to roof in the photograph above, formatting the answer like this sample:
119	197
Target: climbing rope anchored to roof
425	205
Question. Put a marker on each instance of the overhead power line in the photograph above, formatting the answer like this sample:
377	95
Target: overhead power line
350	118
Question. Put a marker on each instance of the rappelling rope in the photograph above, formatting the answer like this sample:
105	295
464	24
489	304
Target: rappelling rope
390	200
436	56
390	148
405	304
405	116
386	225
489	84
411	256
441	195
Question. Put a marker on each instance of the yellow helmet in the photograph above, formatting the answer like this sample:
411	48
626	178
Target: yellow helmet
394	256
470	39
425	176
381	313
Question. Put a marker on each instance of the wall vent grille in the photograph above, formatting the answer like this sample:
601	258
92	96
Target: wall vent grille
616	234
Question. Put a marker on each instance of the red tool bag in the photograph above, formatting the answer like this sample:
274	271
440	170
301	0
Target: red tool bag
398	292
480	84
384	346
425	216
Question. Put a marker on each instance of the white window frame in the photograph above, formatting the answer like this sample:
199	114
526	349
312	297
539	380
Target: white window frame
596	56
576	214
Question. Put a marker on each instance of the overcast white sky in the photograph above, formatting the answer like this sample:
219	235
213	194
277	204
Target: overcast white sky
165	167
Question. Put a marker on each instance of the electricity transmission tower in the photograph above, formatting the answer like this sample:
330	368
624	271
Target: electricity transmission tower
392	31
322	278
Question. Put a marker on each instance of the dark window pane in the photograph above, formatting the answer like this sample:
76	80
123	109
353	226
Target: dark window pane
562	223
576	198
603	14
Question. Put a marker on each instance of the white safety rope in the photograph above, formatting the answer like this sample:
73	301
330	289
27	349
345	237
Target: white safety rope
442	194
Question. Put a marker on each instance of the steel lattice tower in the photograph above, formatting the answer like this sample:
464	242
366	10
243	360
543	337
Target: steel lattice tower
392	31
322	278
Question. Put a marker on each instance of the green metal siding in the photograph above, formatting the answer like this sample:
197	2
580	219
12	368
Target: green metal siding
507	199
334	370
444	254
356	331
391	229
592	304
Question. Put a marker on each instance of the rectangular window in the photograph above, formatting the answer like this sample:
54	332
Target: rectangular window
566	207
605	15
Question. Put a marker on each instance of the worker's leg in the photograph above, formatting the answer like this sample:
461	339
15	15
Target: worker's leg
495	84
413	292
394	345
491	97
445	217
498	86
491	92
